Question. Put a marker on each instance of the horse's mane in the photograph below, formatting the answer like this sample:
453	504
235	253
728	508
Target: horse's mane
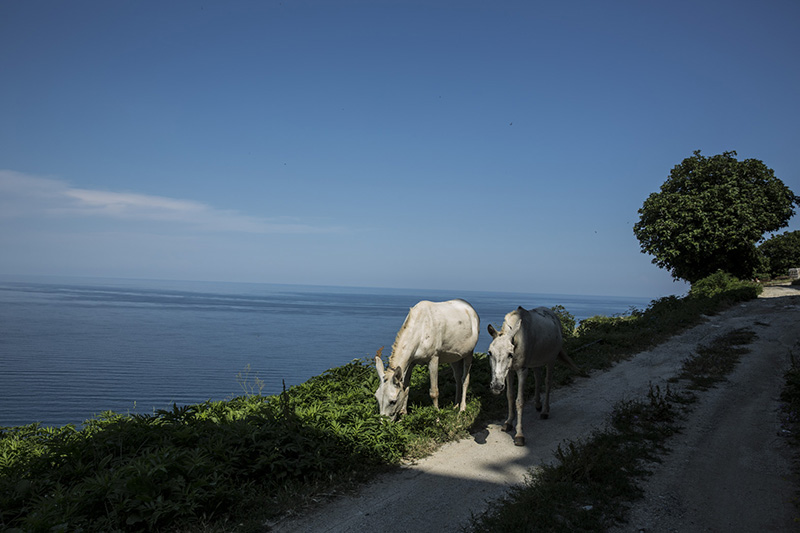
396	340
521	316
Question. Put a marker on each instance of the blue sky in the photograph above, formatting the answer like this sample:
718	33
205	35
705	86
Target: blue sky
468	145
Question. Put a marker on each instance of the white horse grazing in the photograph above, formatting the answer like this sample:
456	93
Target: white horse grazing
528	339
433	333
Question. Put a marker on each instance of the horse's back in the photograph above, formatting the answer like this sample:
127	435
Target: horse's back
448	329
542	336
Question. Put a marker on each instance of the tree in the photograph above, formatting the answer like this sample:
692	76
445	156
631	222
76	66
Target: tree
710	214
782	252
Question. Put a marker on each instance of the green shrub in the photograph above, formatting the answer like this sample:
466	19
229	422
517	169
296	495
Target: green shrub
722	283
781	252
567	320
599	325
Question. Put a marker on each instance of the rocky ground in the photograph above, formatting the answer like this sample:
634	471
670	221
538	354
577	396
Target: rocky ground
729	469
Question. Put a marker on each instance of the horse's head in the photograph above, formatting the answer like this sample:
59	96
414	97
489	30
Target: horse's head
501	354
391	394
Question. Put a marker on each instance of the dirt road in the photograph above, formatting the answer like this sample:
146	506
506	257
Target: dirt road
729	469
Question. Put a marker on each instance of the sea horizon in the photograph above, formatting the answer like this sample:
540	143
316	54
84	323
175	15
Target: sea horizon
50	278
73	347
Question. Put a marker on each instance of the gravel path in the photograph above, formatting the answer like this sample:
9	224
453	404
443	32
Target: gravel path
729	469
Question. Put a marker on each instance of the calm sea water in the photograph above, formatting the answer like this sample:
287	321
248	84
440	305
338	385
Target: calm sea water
70	349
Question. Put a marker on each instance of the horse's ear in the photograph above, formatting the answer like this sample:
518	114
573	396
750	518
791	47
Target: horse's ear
379	362
398	376
492	331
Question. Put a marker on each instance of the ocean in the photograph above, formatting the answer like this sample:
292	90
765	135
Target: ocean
73	348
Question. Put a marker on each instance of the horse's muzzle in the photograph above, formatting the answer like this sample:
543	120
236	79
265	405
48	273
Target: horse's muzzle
497	389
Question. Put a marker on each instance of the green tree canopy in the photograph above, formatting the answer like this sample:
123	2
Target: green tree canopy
782	252
710	214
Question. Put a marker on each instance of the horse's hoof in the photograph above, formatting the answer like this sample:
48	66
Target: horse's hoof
544	416
519	441
538	407
507	427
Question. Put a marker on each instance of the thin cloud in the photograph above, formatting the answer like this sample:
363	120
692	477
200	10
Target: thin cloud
23	195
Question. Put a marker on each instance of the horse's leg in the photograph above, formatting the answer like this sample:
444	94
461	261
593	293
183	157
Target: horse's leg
433	369
465	368
519	438
458	372
510	397
537	391
548	381
406	385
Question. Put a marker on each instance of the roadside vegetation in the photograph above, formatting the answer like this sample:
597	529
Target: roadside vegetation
237	464
790	411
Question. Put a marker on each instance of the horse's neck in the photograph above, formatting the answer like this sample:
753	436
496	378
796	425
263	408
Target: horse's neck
400	358
402	350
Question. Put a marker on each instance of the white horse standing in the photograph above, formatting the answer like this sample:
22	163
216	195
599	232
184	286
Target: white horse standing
528	339
433	333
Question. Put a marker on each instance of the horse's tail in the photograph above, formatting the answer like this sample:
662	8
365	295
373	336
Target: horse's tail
568	360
